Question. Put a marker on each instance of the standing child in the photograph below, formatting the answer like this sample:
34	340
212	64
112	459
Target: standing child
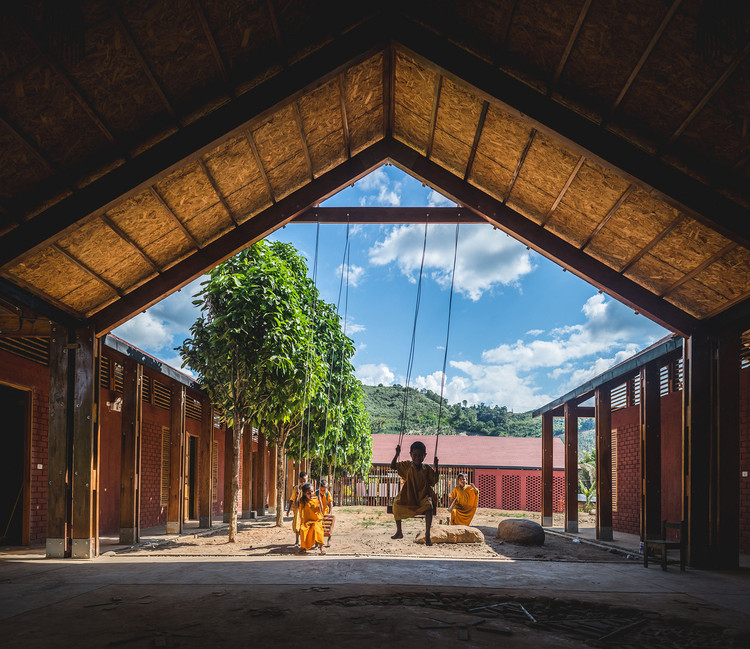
311	521
294	504
326	501
417	494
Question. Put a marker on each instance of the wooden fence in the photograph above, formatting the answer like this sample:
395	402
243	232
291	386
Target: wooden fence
381	486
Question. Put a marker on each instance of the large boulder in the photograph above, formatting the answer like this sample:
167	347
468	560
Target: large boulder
452	534
520	531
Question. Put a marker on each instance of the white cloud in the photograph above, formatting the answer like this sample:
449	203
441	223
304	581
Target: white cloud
535	332
354	276
353	327
145	331
379	190
372	374
485	259
436	199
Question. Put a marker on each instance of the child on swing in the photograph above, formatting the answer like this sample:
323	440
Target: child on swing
323	494
311	521
294	504
416	495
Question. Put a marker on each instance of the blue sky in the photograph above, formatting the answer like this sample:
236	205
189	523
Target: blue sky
523	331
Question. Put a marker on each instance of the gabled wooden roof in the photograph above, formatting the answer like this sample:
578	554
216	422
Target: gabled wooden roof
609	136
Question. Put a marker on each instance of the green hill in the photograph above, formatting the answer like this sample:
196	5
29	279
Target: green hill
384	404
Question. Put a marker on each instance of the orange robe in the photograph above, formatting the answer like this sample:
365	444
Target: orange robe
417	494
326	499
295	509
311	524
466	505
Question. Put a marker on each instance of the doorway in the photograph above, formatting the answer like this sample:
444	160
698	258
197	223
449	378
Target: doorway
191	451
14	405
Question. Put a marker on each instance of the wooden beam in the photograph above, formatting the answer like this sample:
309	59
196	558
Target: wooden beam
382	215
519	165
180	225
571	42
275	26
582	412
247	472
205	449
344	118
433	115
650	245
59	445
505	32
176	460
247	233
543	241
196	139
699	269
656	176
130	458
13	325
389	90
259	162
571	468
85	506
646	53
35	151
303	137
477	137
218	193
89	271
609	215
19	296
218	58
125	237
603	401
564	189
650	412
547	470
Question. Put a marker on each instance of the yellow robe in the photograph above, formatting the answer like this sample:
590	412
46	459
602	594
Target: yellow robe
416	495
295	509
326	499
311	524
466	505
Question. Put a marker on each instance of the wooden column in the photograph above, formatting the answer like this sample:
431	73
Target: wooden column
603	408
59	444
175	505
130	459
205	476
260	490
547	469
571	467
247	472
228	452
272	484
650	411
85	505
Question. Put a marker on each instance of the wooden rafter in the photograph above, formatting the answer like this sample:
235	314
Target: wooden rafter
609	215
386	215
33	149
741	161
344	118
303	137
699	269
646	53
89	271
122	21
218	193
218	58
18	293
477	136
571	42
125	237
505	32
261	169
180	225
564	190
276	30
710	92
389	89
723	313
433	115
650	245
521	160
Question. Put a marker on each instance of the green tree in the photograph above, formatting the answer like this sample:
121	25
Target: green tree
587	477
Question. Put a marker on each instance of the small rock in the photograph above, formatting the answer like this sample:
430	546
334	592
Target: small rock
452	534
520	531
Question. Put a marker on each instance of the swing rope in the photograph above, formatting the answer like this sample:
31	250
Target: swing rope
410	363
447	339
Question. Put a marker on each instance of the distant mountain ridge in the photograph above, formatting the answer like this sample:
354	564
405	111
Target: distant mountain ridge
384	404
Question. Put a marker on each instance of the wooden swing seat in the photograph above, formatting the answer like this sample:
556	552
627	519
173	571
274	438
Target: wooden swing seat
328	522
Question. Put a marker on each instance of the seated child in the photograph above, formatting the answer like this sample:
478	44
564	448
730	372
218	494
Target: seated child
311	521
463	502
416	495
294	504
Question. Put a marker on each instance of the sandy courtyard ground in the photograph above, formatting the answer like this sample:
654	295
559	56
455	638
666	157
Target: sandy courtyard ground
366	531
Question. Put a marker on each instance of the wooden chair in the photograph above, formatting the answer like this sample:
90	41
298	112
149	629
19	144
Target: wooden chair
663	545
328	522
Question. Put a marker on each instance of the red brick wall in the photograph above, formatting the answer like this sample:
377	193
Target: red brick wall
517	489
219	438
745	461
152	513
110	451
33	377
627	517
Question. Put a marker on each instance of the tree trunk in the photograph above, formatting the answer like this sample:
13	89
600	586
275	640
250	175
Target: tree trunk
237	450
279	484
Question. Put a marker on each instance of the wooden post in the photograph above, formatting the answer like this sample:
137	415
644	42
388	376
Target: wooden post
205	481
261	491
130	459
176	461
272	485
85	507
59	445
247	472
228	453
603	424
571	467
650	412
547	469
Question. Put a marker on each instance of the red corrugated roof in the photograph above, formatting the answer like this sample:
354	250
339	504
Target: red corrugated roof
472	451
